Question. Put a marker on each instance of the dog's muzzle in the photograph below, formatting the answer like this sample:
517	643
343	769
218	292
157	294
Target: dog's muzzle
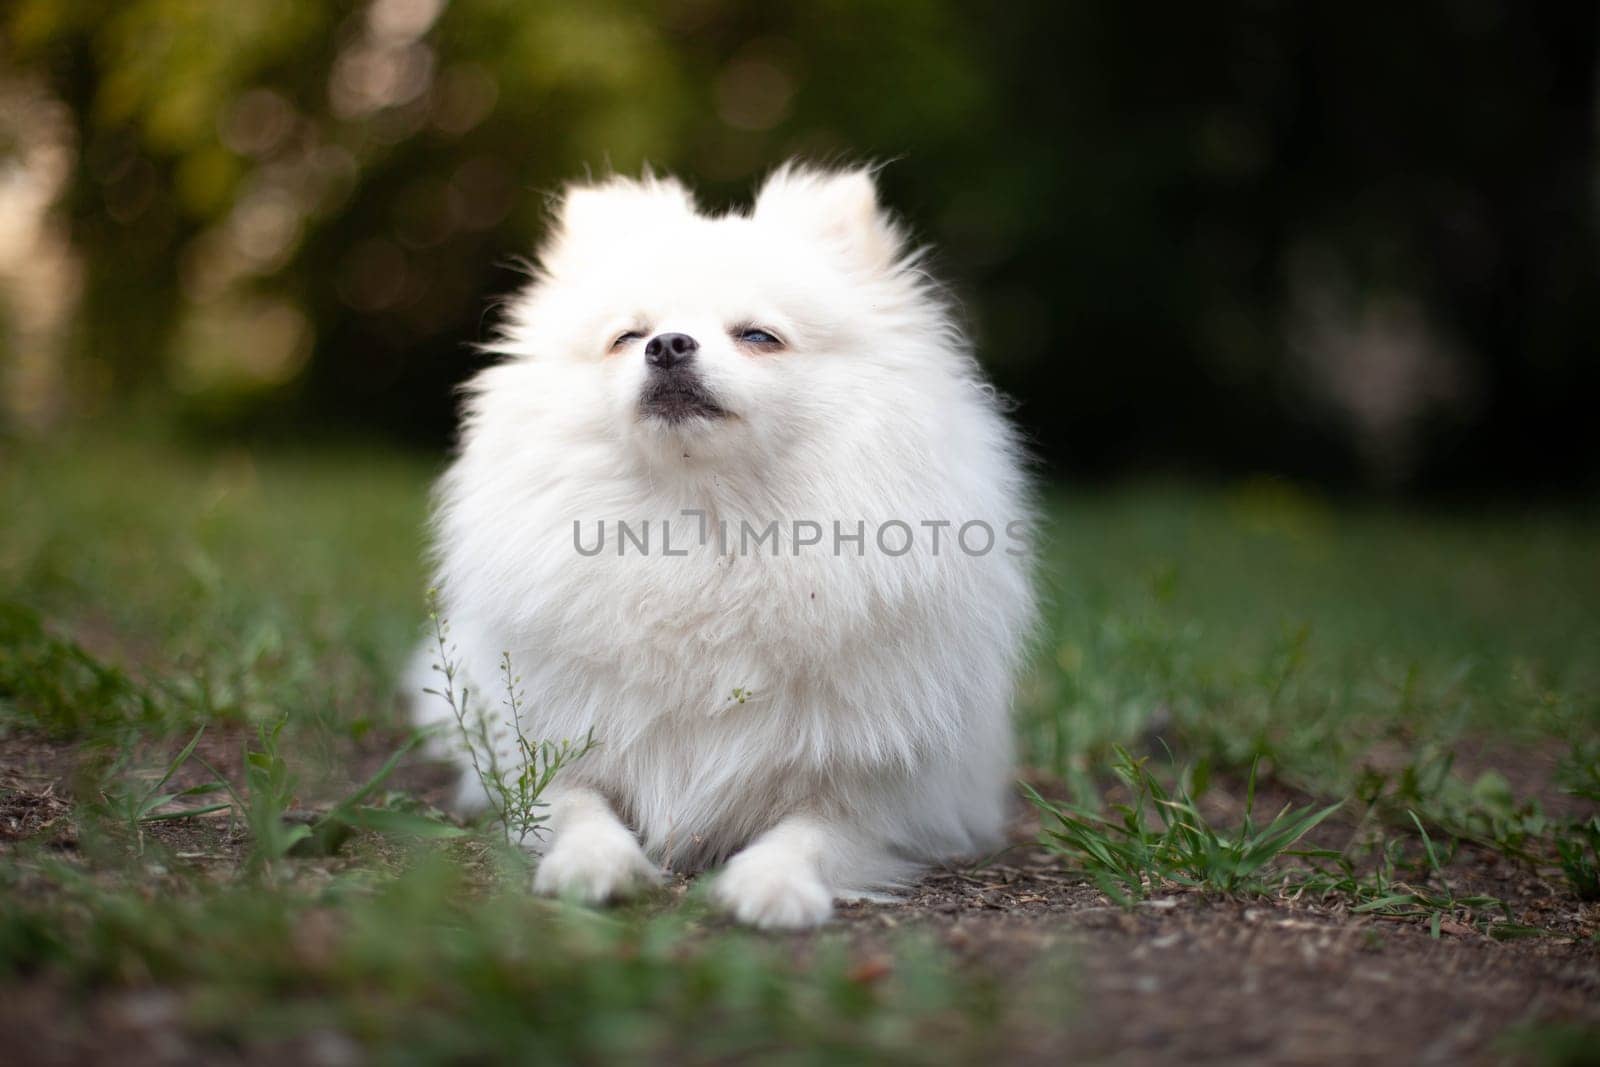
673	392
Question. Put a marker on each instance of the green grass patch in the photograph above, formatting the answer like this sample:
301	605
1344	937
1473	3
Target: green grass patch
1161	837
425	965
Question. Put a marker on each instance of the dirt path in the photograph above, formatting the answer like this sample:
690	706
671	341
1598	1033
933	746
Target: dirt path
1179	978
1184	978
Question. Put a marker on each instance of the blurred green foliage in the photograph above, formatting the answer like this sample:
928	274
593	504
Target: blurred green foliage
1352	243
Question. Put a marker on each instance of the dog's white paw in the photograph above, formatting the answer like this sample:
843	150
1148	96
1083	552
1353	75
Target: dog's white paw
772	892
595	868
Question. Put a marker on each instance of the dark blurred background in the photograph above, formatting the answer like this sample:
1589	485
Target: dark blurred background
1350	244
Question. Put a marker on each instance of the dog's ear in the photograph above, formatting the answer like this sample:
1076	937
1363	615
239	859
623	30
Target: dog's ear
599	215
838	207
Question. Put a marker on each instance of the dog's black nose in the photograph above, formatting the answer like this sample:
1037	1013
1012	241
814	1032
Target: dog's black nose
667	350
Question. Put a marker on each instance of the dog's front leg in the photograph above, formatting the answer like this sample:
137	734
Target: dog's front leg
781	880
591	856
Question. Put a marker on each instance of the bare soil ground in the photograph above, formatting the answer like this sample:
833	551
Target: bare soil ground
1187	978
1182	977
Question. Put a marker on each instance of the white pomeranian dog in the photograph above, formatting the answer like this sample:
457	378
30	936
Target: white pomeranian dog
737	502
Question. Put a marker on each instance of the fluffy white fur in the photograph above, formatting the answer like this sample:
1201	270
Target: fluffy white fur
873	735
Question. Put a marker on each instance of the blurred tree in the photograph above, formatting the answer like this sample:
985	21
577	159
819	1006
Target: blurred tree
1347	244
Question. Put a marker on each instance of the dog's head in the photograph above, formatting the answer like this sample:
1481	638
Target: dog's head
728	335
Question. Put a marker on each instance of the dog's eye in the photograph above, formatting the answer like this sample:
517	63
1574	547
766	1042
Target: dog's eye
755	335
626	337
